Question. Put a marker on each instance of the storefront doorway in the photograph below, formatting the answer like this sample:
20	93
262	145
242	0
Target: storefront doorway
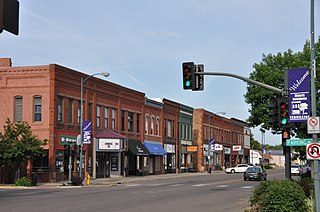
103	165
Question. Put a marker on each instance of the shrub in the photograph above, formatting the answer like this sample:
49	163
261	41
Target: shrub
279	195
306	184
267	166
24	181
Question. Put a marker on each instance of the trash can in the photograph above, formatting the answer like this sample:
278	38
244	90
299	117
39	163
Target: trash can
34	179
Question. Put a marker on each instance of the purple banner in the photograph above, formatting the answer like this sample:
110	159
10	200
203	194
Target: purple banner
87	131
299	94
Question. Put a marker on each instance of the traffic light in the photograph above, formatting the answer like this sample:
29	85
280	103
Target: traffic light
188	75
283	112
199	78
273	114
9	16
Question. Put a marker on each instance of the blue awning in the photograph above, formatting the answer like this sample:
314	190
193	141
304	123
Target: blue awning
154	148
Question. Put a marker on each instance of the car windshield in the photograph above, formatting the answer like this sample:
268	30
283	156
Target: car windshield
295	166
253	169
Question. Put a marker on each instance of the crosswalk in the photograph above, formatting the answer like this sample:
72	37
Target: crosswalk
182	185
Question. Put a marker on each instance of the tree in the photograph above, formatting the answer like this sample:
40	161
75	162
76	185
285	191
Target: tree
271	71
17	143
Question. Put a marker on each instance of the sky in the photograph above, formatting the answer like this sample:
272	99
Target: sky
142	43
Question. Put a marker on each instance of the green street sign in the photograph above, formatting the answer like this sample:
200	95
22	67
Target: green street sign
298	142
68	140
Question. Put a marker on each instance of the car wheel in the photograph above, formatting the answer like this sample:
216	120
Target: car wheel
233	171
265	178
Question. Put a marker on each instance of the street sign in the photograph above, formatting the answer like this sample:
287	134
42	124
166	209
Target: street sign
298	142
299	94
313	151
313	125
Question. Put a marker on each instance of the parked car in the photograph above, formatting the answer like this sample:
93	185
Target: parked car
255	173
238	168
295	169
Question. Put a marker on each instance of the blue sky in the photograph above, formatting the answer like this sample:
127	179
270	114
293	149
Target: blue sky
142	43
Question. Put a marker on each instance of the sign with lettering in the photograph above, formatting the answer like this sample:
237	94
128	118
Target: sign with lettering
87	131
68	140
299	94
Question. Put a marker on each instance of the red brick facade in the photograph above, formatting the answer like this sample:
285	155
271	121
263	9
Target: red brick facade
107	105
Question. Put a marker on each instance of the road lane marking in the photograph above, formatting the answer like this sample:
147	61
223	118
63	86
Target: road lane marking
223	186
199	185
176	185
247	187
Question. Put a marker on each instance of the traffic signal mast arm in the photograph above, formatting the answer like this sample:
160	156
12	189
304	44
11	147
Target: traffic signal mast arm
244	79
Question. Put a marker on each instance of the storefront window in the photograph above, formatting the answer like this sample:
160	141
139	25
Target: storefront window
59	161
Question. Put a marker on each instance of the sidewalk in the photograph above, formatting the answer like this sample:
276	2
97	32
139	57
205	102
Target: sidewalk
111	181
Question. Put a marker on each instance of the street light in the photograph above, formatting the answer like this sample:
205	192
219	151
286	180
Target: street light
209	140
105	74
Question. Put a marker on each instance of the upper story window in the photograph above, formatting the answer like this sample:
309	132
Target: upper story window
130	122
146	124
90	111
98	116
157	125
37	113
122	120
17	108
70	111
106	114
152	125
138	122
60	101
113	119
169	128
79	112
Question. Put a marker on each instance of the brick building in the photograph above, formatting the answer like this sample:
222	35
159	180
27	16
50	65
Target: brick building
131	134
226	134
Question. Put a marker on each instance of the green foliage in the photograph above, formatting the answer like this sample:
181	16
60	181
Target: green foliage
306	184
18	143
24	181
279	195
267	166
271	71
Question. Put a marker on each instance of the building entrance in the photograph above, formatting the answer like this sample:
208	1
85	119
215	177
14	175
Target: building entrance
103	165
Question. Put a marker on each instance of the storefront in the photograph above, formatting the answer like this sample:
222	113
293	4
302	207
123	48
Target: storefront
109	151
156	152
136	159
218	148
227	162
169	160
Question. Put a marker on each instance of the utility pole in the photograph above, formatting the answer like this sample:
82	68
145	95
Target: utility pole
314	105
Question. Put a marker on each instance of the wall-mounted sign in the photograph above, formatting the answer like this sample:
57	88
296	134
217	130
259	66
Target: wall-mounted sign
192	148
109	144
68	140
218	147
236	148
